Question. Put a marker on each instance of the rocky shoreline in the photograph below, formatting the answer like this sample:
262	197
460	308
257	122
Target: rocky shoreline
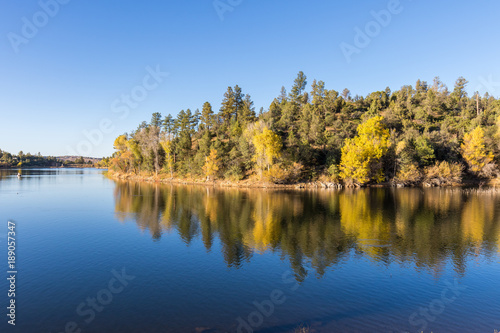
301	185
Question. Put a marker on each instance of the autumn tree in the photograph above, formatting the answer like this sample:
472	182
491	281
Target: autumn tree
211	164
133	147
267	147
167	146
362	155
123	158
474	151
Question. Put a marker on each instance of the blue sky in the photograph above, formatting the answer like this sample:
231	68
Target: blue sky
66	76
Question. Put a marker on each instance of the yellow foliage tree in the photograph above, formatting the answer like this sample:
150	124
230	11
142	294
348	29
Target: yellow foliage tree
361	155
169	158
120	143
124	158
267	147
474	151
133	147
211	164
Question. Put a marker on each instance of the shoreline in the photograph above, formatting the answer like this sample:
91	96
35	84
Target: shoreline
267	185
76	166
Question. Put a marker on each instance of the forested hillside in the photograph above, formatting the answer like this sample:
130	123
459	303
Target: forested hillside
423	133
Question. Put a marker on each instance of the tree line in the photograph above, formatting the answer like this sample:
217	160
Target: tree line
8	160
22	160
427	133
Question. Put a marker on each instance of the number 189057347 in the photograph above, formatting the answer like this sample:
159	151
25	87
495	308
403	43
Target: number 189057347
11	243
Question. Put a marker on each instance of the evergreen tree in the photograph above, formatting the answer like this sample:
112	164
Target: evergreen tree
228	110
156	119
207	117
168	125
298	86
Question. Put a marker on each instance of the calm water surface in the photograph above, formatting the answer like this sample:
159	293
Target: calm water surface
195	259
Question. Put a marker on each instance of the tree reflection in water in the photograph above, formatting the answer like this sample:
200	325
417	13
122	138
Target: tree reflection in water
319	229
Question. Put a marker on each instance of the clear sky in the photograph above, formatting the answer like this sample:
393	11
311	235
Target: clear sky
65	68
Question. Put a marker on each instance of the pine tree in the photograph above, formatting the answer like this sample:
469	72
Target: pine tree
283	97
184	125
298	86
247	111
238	102
207	117
156	119
168	125
228	110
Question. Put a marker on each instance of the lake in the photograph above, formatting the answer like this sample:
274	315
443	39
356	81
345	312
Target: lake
97	255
